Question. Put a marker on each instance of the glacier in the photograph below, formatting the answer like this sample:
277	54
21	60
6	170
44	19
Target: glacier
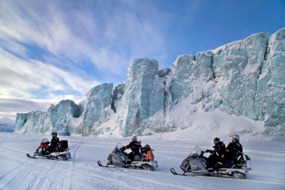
244	78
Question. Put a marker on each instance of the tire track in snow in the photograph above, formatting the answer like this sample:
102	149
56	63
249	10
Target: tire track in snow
95	180
68	182
42	180
120	178
24	172
10	176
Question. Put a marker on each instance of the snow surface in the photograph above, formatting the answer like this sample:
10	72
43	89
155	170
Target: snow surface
17	171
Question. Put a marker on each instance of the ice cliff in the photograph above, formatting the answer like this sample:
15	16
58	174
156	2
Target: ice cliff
244	78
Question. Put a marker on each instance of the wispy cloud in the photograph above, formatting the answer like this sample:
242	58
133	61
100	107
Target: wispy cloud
19	77
51	50
11	106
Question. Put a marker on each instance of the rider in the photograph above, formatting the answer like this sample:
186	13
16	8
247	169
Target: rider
135	146
214	161
147	151
234	149
54	144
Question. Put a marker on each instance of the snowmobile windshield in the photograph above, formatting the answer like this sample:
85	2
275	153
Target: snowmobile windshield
197	150
118	146
44	141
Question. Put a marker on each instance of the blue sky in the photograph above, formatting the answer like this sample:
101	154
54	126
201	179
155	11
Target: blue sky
59	49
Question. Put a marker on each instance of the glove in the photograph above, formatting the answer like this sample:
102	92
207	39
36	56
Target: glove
210	151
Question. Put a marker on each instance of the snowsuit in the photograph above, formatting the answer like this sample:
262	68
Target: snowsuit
54	144
217	155
135	146
233	151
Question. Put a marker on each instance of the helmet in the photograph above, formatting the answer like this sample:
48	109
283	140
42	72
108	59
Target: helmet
45	141
54	134
235	138
134	138
147	146
216	140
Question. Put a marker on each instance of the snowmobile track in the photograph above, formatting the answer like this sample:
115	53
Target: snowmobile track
172	170
68	180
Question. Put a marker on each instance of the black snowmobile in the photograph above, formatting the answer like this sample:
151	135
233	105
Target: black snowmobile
119	159
44	151
195	164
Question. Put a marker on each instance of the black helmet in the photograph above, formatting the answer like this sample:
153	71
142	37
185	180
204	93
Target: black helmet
147	146
216	140
54	134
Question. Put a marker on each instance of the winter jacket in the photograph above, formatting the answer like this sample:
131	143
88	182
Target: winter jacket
134	146
54	144
219	149
234	149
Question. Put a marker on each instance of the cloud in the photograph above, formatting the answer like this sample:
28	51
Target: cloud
9	107
52	50
19	77
109	36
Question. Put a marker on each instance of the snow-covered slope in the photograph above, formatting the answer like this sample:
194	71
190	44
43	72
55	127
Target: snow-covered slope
241	80
18	172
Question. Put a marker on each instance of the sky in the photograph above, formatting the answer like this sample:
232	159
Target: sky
59	49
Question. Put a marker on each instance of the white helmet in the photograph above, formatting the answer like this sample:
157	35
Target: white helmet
235	138
134	138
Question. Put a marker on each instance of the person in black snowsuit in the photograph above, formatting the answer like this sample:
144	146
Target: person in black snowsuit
54	144
215	160
233	151
135	146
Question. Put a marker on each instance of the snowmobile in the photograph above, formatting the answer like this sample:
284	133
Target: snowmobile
119	159
195	164
43	151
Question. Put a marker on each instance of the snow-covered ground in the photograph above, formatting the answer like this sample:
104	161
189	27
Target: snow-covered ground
82	172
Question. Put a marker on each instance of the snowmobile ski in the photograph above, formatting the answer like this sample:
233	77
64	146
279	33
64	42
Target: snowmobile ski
110	165
30	156
172	170
128	166
101	165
